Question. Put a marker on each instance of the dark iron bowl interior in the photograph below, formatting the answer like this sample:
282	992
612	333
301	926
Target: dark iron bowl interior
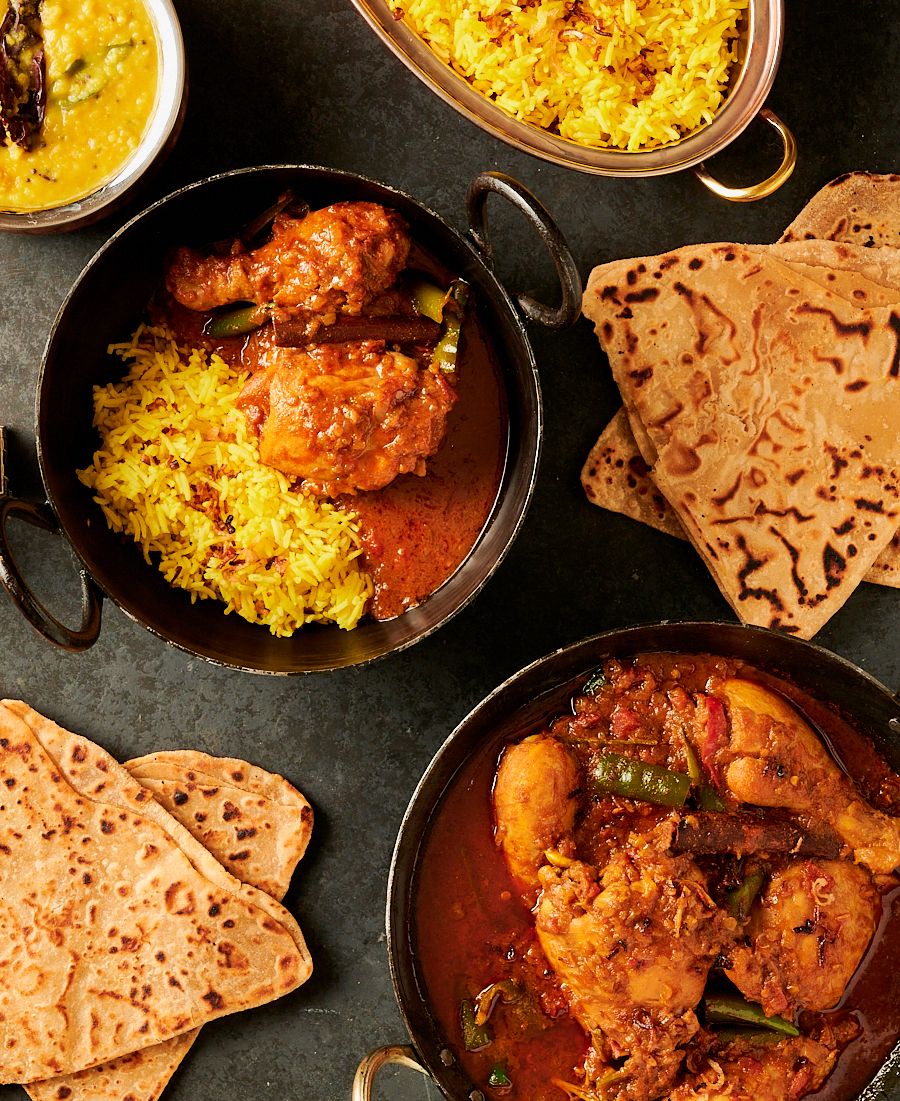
544	689
106	305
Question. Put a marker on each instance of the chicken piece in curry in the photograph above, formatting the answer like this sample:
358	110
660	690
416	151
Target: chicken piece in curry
347	391
703	881
340	258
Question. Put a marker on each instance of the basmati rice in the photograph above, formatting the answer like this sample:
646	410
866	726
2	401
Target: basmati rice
178	470
624	74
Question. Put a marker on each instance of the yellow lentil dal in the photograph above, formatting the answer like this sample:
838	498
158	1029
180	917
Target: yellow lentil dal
617	74
102	68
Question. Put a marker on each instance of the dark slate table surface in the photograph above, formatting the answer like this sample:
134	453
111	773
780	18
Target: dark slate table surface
294	81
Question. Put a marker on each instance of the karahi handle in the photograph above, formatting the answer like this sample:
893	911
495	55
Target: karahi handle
767	186
487	183
42	516
403	1055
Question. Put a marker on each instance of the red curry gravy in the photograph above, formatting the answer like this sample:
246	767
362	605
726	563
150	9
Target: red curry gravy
418	530
471	928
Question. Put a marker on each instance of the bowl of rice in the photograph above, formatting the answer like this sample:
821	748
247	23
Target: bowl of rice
613	87
153	474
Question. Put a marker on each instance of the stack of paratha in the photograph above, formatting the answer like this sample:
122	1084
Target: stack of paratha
120	933
762	403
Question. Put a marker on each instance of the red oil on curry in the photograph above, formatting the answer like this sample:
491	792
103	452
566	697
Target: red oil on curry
417	531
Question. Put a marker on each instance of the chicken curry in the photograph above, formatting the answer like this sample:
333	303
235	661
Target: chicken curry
372	382
676	890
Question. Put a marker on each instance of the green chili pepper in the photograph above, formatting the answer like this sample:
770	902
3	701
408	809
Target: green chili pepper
741	898
95	73
448	345
428	298
617	775
499	1077
237	322
595	683
484	1003
707	796
733	1009
750	1035
693	763
709	799
475	1037
94	85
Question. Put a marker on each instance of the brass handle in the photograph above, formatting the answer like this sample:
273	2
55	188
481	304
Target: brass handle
760	190
375	1060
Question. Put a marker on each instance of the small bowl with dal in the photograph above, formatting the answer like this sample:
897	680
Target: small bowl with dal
101	106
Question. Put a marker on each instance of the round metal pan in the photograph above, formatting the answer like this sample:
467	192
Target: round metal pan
108	302
524	703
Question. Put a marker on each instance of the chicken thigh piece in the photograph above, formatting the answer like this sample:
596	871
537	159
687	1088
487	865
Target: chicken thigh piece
536	798
807	933
346	418
774	759
633	947
337	259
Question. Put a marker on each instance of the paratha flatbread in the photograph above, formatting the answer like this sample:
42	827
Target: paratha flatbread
139	1076
256	824
278	813
616	477
119	929
767	406
863	275
859	206
857	273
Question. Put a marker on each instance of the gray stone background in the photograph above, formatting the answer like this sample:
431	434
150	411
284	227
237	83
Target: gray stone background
293	81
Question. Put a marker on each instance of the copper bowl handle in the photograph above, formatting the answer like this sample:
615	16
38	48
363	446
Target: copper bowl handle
375	1060
766	187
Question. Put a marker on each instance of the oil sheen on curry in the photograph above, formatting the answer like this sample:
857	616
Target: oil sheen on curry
675	890
371	383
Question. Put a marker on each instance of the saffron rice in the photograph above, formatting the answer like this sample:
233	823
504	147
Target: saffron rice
624	74
178	470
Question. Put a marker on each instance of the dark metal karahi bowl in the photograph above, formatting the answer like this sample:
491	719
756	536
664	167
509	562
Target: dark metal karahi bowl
761	40
155	145
523	704
105	306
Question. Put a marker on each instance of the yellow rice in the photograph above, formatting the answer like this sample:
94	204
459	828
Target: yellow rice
178	470
623	74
